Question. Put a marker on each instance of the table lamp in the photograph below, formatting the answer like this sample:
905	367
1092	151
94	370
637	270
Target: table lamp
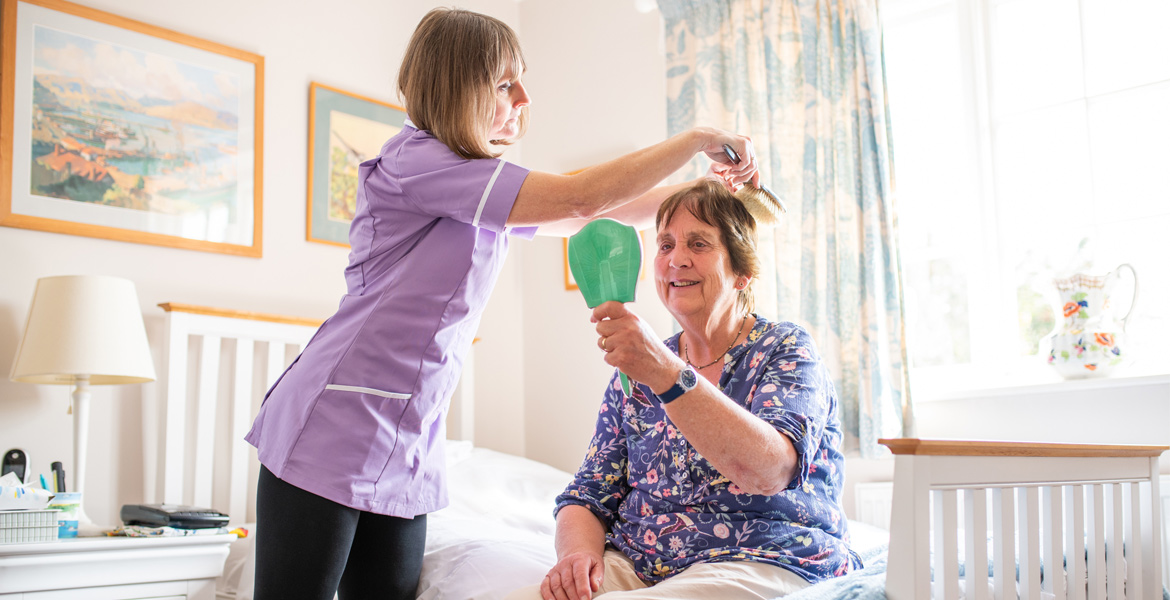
83	330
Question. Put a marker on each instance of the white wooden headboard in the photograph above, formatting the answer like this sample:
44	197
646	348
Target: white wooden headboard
217	364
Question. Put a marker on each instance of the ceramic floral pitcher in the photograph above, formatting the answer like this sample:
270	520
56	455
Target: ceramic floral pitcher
1090	342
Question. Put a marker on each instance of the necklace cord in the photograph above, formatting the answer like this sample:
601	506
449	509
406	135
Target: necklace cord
687	349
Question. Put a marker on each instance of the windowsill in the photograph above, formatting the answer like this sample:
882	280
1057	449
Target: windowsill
1029	378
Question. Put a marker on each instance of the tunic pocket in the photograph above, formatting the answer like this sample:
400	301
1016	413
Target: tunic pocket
350	435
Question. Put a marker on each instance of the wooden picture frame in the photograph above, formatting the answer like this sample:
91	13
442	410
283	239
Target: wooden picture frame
345	129
570	282
164	149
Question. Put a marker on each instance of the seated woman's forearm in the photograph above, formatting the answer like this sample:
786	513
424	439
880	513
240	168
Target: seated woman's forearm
751	453
579	530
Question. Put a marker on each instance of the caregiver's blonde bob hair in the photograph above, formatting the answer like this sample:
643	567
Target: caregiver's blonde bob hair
448	78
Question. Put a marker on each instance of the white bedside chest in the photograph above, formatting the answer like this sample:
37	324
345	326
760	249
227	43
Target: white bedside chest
114	568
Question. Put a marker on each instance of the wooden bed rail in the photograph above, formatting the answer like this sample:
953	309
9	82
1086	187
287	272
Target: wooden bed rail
238	314
919	447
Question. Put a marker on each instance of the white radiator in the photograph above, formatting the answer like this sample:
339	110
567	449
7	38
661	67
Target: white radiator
873	502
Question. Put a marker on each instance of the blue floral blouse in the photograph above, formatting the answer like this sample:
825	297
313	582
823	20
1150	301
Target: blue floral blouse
667	508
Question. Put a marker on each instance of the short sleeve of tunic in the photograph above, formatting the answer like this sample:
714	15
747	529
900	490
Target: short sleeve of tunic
431	180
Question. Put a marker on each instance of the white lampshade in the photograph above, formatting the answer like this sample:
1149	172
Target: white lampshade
84	326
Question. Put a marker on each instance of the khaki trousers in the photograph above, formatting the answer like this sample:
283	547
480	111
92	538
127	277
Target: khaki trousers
728	580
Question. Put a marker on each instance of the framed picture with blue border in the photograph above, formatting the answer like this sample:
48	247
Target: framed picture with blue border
345	129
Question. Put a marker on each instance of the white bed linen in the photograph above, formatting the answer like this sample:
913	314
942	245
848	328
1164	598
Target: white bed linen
496	535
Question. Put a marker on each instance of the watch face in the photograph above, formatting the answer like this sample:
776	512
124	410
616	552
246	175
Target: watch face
687	378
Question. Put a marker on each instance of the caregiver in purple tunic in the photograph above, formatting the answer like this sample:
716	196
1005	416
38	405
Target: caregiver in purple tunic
351	436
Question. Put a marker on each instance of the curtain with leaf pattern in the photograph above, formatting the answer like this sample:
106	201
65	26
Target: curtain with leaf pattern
805	79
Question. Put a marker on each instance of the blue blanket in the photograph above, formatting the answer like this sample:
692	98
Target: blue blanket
864	584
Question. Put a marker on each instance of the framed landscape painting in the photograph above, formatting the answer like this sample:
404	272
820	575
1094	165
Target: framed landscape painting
112	128
345	130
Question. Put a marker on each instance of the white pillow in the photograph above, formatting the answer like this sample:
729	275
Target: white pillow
476	559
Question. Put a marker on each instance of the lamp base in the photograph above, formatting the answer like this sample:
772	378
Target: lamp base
85	526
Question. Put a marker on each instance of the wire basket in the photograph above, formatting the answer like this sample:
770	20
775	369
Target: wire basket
26	526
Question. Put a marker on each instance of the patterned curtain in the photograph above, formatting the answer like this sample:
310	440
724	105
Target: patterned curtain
805	79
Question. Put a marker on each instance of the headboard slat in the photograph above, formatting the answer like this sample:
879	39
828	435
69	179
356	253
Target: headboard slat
240	423
1052	512
205	420
1131	494
1004	549
276	363
1152	513
1074	501
975	518
1029	540
174	442
1114	563
1095	543
946	574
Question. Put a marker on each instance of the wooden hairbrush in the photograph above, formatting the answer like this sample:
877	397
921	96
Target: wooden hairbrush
760	201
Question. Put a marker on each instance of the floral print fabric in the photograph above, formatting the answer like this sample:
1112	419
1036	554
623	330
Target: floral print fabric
667	507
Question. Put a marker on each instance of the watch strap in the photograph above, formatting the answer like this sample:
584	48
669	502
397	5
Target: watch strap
678	389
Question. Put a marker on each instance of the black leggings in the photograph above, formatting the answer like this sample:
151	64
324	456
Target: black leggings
308	547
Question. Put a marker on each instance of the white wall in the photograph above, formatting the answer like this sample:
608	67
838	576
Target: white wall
584	112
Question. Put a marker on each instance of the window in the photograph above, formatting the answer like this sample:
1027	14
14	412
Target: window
1031	140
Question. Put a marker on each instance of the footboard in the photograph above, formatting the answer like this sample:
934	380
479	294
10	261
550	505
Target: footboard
1093	509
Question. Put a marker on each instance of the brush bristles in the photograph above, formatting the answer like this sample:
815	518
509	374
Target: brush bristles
764	205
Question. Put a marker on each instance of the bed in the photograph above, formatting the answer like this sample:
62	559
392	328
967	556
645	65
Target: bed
959	508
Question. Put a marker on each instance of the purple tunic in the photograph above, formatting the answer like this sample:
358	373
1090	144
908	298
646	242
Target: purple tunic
358	418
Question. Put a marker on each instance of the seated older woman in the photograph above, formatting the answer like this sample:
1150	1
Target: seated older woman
720	475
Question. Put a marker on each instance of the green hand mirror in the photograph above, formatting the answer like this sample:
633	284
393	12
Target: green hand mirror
605	258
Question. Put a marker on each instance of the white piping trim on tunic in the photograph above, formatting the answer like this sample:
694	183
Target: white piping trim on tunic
483	200
365	390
